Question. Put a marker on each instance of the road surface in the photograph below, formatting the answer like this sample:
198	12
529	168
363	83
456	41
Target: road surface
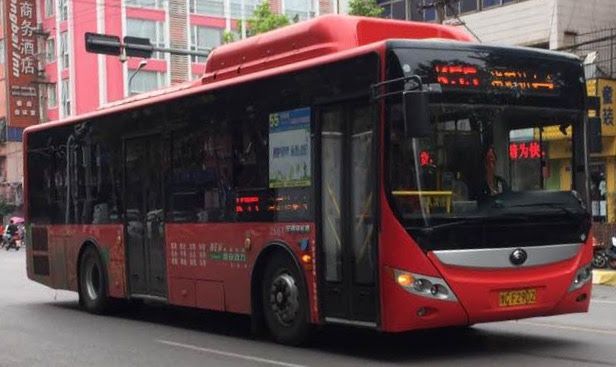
43	327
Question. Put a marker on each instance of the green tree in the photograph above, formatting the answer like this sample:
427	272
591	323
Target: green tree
228	37
6	209
263	19
365	8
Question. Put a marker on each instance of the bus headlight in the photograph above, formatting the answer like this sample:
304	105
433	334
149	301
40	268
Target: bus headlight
423	285
582	276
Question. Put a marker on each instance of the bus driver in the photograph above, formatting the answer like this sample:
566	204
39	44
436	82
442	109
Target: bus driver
493	184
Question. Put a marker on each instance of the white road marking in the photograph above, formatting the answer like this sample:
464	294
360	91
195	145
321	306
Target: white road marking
229	354
568	327
603	301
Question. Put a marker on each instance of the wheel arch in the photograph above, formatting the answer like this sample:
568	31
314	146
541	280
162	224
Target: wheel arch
256	277
91	242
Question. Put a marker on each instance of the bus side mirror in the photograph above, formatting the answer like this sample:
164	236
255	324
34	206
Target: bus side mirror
416	114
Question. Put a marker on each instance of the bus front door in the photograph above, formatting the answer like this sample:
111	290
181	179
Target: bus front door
346	213
144	220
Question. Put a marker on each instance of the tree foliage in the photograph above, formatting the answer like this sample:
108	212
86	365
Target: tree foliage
365	8
228	37
5	208
264	20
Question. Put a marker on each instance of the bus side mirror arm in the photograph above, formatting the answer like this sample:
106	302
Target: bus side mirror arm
415	102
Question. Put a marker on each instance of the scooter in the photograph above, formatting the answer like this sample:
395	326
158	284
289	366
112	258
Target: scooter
599	260
610	254
12	243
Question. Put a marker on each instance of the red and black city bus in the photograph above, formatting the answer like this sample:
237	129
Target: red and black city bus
369	172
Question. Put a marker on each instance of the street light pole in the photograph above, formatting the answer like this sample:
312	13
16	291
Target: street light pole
142	64
243	17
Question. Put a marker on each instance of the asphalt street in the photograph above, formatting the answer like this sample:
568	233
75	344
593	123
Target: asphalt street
43	327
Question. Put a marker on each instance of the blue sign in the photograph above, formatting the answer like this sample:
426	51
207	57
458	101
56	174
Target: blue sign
14	134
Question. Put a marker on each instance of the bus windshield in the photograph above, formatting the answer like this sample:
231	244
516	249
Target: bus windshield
490	164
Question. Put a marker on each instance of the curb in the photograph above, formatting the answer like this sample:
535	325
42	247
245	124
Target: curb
604	277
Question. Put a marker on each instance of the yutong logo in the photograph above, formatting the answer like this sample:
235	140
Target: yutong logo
518	257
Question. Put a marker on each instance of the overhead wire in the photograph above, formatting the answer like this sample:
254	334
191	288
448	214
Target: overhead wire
455	14
555	3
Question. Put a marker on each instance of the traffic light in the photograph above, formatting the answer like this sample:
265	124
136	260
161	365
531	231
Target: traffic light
111	45
131	47
138	47
103	44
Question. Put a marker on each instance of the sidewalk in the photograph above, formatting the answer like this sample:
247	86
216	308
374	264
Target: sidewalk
604	277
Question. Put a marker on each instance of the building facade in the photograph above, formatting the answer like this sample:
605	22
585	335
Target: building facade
19	104
80	82
69	81
539	23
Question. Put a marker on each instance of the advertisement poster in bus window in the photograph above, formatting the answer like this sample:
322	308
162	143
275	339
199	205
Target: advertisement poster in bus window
289	148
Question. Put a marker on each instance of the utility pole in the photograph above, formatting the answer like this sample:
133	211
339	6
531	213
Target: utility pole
440	10
439	6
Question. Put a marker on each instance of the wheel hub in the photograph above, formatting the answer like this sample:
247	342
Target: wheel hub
284	298
92	280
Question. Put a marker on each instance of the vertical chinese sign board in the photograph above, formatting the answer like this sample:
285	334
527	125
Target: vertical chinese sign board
604	89
21	60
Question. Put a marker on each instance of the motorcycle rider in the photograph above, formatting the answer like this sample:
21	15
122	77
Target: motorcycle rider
11	232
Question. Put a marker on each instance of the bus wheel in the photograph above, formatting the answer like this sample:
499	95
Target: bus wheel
92	282
285	301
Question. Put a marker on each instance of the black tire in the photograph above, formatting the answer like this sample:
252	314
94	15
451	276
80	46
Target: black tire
93	285
599	261
285	301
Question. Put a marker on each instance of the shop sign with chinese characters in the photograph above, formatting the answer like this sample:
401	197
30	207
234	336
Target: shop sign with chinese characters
21	62
604	89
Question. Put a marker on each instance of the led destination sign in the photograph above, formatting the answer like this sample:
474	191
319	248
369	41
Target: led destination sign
477	74
472	77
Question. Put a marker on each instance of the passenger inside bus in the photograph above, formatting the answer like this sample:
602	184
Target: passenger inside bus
493	184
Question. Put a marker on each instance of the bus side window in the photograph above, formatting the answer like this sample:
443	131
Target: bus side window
250	170
201	175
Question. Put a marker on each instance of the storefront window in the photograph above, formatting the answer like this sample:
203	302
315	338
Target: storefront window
598	191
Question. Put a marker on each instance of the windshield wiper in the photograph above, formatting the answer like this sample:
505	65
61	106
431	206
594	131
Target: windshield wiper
561	208
437	227
473	220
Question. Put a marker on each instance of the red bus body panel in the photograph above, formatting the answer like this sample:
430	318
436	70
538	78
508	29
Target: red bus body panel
210	265
64	243
398	307
478	290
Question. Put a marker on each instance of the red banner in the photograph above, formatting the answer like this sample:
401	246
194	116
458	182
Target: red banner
22	91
